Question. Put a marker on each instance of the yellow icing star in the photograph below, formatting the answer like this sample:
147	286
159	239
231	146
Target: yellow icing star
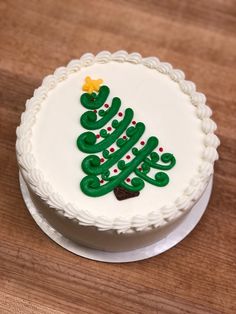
91	85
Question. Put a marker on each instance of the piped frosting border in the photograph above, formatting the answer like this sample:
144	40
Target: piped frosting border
156	218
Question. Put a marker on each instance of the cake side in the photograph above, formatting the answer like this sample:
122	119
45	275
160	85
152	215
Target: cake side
157	218
103	240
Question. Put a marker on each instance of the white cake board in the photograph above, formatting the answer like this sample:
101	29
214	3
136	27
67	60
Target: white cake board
174	237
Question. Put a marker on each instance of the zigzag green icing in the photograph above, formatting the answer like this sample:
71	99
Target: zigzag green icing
89	143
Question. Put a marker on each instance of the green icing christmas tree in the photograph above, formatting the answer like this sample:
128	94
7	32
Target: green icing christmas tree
103	132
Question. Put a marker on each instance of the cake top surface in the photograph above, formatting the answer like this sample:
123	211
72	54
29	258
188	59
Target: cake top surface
166	141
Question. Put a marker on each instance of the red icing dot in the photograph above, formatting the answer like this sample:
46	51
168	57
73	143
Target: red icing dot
101	181
109	128
133	122
128	179
106	106
128	156
115	170
112	149
95	110
102	160
120	114
124	137
97	136
140	168
161	149
142	142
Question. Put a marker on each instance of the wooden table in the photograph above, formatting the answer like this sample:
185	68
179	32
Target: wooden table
198	275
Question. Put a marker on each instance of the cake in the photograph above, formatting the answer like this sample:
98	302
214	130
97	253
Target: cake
116	149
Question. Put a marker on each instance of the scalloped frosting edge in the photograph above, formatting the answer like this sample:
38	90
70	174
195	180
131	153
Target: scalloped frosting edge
155	219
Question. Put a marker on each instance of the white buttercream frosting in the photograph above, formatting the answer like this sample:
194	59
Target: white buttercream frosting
40	115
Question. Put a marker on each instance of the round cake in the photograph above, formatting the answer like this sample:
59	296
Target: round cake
115	149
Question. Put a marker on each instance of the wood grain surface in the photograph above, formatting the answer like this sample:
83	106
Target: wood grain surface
199	274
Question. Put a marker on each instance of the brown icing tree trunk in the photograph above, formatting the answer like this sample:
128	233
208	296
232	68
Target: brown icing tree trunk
122	194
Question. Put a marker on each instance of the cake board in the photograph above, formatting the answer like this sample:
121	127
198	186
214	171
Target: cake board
189	222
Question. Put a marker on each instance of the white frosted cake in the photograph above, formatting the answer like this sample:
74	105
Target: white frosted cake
115	149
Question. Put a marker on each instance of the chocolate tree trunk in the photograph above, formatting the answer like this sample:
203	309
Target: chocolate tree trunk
122	194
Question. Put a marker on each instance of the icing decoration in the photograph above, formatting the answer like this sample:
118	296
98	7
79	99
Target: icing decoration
122	194
91	85
98	180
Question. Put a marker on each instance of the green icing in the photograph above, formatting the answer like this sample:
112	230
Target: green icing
142	161
91	164
89	118
136	185
95	101
161	178
91	186
86	142
166	158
